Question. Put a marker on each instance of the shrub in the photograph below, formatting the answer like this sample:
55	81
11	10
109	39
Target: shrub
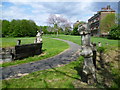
75	31
115	32
101	49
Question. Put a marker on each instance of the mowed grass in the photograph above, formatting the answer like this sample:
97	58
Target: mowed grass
11	42
77	39
60	77
51	47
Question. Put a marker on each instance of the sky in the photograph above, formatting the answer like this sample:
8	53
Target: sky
39	10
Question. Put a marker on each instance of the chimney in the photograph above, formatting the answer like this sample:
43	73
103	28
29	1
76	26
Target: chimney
108	7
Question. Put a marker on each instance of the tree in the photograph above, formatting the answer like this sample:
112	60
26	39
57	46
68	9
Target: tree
13	28
107	22
5	27
19	28
32	28
115	32
67	27
56	21
44	29
75	27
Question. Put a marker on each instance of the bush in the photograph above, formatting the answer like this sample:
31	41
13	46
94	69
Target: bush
115	32
101	49
75	31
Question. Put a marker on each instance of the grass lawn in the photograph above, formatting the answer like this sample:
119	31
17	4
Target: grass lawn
50	48
77	39
60	77
11	42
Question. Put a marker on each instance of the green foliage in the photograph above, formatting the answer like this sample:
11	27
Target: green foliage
67	31
18	28
115	32
107	22
101	49
75	27
116	74
49	29
5	27
75	31
43	28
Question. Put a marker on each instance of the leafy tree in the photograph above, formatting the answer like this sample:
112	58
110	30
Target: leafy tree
75	27
32	28
45	29
19	28
115	32
5	27
107	22
12	28
75	31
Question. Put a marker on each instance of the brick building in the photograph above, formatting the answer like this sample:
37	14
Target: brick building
95	20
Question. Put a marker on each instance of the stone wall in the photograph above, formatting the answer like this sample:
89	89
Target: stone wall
20	51
23	51
6	54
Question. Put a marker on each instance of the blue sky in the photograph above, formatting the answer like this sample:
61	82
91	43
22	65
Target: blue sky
39	11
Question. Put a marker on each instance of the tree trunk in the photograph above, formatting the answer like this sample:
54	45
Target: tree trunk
57	33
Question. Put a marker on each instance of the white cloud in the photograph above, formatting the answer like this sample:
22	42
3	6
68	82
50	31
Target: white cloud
13	12
39	11
62	0
82	11
19	13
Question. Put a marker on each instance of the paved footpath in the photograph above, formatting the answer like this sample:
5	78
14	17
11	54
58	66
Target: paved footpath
63	58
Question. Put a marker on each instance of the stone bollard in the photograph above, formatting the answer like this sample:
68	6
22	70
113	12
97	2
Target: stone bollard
88	75
18	42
